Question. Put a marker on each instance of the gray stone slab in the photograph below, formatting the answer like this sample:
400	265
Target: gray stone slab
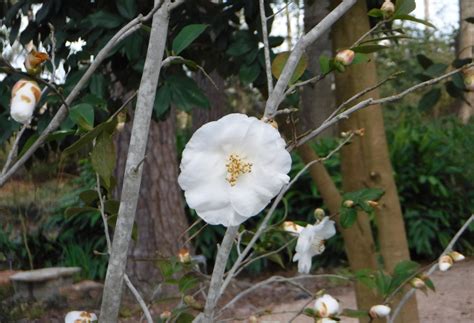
44	274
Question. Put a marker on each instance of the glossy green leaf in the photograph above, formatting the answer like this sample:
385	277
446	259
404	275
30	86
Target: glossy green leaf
404	7
360	58
354	313
104	19
73	211
83	115
376	13
429	100
279	63
103	157
367	49
127	8
348	217
162	101
89	196
436	69
249	73
186	36
414	19
325	64
424	61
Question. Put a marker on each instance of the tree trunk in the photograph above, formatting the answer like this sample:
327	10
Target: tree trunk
318	99
366	162
160	220
466	44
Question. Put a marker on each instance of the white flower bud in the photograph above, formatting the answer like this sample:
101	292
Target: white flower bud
469	81
457	256
319	214
345	57
80	317
388	8
326	320
253	319
165	315
445	262
379	311
25	96
326	306
184	256
418	283
348	203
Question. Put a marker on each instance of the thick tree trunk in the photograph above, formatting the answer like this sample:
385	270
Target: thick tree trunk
318	99
160	220
366	162
466	44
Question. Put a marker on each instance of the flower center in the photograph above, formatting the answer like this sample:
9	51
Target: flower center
236	167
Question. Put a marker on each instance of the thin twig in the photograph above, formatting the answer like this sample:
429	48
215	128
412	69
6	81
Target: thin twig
266	47
374	28
53	52
287	4
301	310
448	249
14	150
372	101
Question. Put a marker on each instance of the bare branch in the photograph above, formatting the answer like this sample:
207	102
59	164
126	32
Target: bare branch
448	249
371	101
14	150
278	94
61	114
266	47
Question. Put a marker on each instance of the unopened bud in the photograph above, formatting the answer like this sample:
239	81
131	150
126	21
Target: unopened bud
457	256
25	96
292	227
326	306
378	311
372	203
184	256
418	283
348	203
319	214
165	315
344	134
192	302
469	80
345	57
253	319
34	60
360	132
388	8
326	320
445	262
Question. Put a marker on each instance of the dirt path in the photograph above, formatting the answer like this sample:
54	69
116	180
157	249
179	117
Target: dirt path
453	301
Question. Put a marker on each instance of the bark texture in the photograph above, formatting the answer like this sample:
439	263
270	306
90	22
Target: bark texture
366	162
466	44
160	217
317	99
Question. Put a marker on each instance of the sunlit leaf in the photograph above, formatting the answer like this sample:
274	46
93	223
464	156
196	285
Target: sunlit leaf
279	62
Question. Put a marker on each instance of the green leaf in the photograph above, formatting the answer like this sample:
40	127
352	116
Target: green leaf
275	41
104	19
382	283
88	196
186	283
376	13
186	36
454	91
360	58
185	93
430	99
244	42
97	85
103	157
429	284
348	217
404	7
424	61
249	73
162	101
73	211
436	69
83	115
354	313
458	80
127	8
406	268
367	49
111	206
279	63
107	126
414	19
325	64
460	62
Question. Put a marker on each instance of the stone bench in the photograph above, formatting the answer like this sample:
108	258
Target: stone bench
42	284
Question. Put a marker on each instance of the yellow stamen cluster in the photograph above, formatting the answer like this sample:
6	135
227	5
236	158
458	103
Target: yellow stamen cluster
235	168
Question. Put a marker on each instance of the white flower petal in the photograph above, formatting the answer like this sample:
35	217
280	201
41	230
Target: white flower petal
304	261
225	216
198	197
325	229
326	306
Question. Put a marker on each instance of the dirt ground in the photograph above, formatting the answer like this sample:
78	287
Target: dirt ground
453	301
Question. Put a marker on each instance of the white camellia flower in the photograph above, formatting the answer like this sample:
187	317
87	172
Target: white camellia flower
326	306
232	168
80	317
311	243
25	96
292	228
378	311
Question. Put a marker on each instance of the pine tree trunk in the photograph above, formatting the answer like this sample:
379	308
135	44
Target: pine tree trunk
466	44
160	220
366	162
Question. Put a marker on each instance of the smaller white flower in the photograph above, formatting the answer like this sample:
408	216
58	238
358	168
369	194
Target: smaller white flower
445	262
25	96
377	311
292	228
457	256
80	317
311	243
326	306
